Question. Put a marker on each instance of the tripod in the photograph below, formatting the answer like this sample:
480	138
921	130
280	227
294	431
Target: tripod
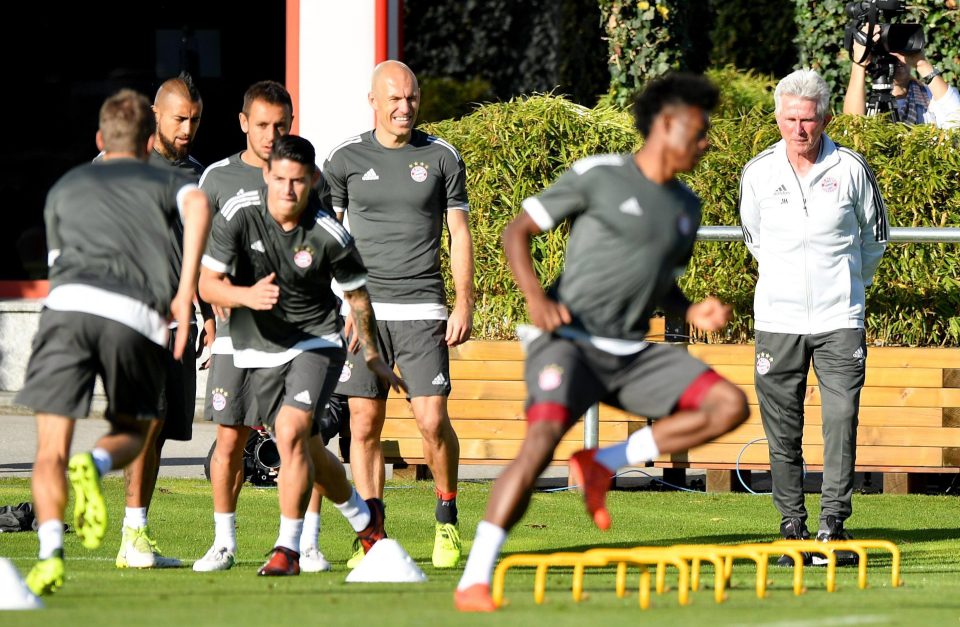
881	99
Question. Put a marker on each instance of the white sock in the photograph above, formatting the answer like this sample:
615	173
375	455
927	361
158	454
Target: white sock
135	517
311	529
483	556
613	457
641	448
51	538
102	460
290	529
225	530
356	511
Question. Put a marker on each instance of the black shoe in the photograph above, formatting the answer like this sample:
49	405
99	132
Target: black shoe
831	530
794	529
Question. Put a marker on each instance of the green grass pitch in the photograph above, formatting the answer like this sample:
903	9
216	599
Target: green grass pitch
96	593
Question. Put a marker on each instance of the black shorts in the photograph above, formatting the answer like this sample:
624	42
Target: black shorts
230	399
68	352
418	348
575	374
178	399
305	383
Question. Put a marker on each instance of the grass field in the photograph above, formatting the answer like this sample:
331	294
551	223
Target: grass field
96	593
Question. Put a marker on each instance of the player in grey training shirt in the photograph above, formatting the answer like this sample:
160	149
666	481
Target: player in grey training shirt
396	187
633	230
109	227
230	183
177	107
282	251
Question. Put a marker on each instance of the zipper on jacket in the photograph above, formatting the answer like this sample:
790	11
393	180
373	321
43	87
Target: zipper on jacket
806	269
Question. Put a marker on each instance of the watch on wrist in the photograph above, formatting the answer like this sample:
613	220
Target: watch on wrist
929	77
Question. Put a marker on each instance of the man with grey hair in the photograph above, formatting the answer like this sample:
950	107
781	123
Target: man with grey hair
814	220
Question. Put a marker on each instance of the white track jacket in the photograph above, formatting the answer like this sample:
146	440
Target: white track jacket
817	240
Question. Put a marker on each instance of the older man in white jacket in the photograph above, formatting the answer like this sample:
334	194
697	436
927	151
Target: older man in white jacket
814	220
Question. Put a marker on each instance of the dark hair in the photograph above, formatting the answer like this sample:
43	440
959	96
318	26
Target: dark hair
294	148
186	80
268	91
673	88
126	122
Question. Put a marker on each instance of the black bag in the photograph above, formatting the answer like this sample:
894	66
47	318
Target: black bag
17	518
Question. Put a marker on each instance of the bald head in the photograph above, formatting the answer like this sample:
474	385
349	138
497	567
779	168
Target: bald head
395	99
391	70
177	107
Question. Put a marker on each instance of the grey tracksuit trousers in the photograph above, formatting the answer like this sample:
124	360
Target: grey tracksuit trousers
782	362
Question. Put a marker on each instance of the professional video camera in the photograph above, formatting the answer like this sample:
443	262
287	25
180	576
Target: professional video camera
879	39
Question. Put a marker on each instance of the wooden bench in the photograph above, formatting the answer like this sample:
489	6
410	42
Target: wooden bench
909	415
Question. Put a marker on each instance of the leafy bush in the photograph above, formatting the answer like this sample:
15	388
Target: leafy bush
515	149
647	39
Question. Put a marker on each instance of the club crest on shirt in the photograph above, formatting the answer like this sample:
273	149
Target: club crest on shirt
418	171
346	372
219	398
764	362
829	184
303	256
550	377
684	224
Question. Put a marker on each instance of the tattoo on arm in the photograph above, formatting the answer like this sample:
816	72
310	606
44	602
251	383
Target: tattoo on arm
365	320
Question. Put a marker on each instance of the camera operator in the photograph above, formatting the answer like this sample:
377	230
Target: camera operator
927	101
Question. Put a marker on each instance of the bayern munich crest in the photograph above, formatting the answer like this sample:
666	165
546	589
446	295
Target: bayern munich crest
303	257
550	377
345	373
829	184
764	362
418	171
219	399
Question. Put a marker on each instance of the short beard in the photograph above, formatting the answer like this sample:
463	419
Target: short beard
170	148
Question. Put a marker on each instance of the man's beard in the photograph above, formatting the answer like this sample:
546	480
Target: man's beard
170	148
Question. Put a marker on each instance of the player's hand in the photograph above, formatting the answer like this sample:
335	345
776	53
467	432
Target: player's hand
548	314
263	294
460	325
181	310
350	332
380	368
710	314
207	335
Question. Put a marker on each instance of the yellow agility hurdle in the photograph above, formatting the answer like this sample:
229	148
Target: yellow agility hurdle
642	556
592	558
721	556
856	546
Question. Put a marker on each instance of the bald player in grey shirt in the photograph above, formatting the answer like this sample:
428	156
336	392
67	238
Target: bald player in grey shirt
395	187
633	229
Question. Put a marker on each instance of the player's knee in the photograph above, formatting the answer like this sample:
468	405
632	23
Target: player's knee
728	407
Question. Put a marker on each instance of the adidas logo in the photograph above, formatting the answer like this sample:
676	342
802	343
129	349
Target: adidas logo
631	207
781	191
303	397
370	175
439	379
258	246
858	354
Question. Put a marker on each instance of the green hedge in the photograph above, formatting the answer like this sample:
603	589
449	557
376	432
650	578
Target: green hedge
819	40
513	150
